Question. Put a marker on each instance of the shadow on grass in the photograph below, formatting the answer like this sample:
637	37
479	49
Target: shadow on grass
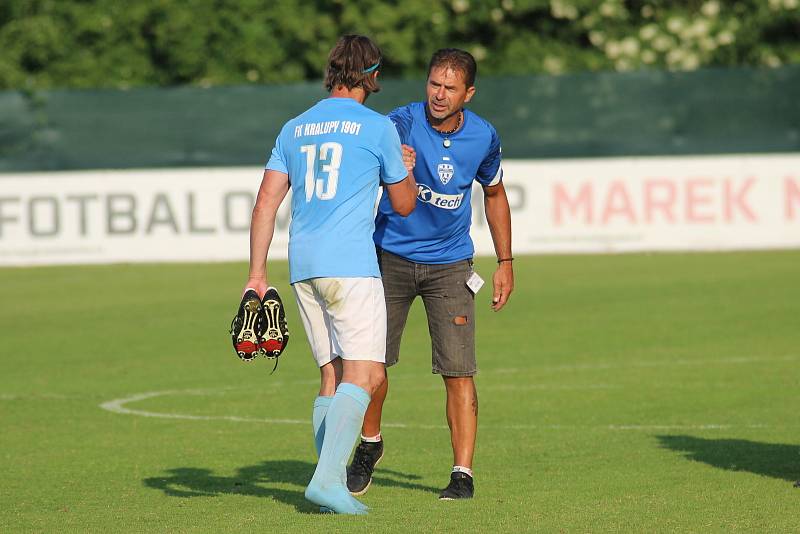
255	481
379	480
769	459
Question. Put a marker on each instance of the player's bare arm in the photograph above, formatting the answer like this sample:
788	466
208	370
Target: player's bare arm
403	194
498	215
274	186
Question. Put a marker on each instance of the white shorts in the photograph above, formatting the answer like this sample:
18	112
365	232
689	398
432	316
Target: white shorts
343	317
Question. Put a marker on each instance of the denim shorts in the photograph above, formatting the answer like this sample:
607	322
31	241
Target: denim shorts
449	305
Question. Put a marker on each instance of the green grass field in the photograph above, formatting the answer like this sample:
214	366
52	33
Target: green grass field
632	393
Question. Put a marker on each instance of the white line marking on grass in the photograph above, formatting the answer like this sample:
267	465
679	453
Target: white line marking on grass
621	427
119	406
399	375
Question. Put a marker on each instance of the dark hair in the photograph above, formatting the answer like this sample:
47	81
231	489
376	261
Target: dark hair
352	63
455	59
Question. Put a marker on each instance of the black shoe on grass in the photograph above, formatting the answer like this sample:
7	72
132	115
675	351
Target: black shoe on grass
460	487
359	473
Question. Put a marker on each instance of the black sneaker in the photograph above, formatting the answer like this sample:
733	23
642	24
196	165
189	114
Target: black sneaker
359	473
460	487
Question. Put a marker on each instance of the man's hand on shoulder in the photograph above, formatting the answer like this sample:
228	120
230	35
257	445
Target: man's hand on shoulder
503	282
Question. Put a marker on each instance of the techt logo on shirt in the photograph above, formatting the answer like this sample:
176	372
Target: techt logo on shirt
429	196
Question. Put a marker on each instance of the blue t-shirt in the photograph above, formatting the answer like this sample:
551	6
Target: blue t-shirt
335	154
437	231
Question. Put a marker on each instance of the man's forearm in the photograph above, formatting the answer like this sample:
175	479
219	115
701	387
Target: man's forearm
274	187
262	228
498	215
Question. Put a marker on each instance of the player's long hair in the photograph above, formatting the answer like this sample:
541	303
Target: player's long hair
456	59
352	63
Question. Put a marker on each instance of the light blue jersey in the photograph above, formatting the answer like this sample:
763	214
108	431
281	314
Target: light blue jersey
336	154
437	231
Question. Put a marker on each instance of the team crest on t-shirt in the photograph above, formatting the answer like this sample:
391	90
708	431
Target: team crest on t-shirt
446	172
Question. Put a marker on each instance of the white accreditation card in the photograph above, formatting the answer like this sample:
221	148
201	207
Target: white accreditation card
474	282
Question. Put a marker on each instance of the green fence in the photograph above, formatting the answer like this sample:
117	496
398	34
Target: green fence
581	115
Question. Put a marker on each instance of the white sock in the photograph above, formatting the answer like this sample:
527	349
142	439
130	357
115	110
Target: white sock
374	439
462	469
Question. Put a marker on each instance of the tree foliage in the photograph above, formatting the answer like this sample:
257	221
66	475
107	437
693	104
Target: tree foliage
107	43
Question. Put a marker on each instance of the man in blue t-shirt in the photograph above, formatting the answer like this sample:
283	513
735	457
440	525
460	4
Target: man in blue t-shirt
333	157
429	253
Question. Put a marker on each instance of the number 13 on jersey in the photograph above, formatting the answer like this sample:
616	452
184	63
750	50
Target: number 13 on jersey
329	158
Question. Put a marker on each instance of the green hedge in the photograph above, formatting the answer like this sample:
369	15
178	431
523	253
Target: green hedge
108	43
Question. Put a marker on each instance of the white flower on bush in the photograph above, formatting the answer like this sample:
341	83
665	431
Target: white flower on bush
648	31
777	5
707	44
562	9
590	20
690	61
597	38
662	43
553	65
479	52
608	8
710	9
675	56
460	6
699	28
725	37
613	49
629	46
675	24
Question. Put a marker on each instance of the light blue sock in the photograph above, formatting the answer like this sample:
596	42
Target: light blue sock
328	487
318	420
